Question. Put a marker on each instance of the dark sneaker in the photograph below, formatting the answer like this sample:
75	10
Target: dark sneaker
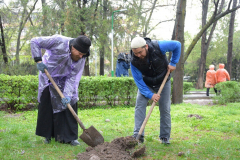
141	139
165	141
74	143
47	140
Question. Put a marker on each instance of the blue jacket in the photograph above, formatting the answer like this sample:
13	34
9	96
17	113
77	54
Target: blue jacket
122	68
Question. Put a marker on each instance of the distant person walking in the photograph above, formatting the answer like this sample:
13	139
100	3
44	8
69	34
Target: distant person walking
211	79
222	74
123	64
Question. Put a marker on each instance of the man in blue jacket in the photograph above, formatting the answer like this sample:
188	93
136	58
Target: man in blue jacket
149	66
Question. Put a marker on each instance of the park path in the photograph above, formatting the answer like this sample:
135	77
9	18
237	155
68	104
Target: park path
198	97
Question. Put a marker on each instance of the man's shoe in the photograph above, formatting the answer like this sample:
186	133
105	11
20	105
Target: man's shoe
74	143
165	141
47	140
141	139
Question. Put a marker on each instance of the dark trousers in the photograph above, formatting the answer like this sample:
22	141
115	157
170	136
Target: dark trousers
62	126
215	90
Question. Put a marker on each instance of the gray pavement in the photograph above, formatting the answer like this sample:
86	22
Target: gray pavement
198	97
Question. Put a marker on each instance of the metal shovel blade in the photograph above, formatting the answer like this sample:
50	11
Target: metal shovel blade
92	137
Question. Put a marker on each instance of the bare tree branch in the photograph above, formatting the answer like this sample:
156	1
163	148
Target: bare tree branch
213	19
229	4
215	23
159	23
168	5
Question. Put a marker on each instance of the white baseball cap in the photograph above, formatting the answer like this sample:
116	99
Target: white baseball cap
138	42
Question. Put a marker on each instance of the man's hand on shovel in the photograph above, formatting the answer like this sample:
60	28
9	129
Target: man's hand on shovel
155	97
171	68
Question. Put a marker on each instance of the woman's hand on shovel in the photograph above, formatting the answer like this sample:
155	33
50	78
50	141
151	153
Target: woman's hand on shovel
41	66
65	101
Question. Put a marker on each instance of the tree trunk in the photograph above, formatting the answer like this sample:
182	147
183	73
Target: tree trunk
21	26
86	68
102	50
91	32
18	39
230	40
2	43
177	96
44	12
204	48
205	43
103	41
146	26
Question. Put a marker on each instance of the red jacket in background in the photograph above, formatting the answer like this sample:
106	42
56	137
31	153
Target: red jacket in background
210	77
222	74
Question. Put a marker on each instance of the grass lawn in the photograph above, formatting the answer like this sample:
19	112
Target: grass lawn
215	136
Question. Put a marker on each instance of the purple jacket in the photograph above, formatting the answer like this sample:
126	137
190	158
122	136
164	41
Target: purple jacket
65	72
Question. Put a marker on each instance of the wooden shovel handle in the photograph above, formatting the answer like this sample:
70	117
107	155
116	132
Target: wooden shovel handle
62	96
153	105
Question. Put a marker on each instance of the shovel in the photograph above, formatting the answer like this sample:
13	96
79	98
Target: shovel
153	105
90	136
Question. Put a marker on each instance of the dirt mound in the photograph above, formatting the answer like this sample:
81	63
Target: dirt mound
126	148
195	115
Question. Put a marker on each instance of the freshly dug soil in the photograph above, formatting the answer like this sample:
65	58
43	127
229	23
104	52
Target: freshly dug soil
123	148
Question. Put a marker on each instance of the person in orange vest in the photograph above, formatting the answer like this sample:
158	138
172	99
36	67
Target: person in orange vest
222	74
211	79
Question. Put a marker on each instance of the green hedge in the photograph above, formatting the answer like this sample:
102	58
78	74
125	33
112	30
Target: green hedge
186	86
229	92
18	91
107	90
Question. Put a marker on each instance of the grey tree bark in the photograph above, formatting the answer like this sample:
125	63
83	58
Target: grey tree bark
206	41
24	17
177	95
230	40
103	41
201	68
2	43
44	32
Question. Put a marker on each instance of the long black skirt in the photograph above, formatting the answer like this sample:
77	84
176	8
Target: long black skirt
62	126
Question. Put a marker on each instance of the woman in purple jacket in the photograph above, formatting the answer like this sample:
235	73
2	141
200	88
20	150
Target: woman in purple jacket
64	59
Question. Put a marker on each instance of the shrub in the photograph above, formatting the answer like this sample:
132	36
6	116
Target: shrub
100	89
229	91
17	91
187	86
